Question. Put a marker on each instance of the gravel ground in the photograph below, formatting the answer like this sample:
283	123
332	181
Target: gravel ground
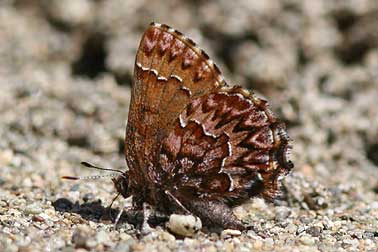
65	74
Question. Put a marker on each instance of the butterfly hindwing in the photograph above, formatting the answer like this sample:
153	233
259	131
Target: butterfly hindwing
227	145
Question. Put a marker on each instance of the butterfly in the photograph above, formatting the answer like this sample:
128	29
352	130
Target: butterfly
194	144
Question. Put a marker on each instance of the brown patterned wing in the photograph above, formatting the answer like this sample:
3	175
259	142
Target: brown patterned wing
228	146
169	72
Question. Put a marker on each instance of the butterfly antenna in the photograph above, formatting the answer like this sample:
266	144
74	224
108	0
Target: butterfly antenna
86	164
93	177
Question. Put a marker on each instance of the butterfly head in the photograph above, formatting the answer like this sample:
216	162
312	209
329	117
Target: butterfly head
121	183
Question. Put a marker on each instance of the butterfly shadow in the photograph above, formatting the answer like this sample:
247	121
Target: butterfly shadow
96	212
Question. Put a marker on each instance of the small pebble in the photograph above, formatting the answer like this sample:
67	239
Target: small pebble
125	236
228	233
189	241
34	208
314	231
211	249
184	225
122	247
306	240
102	237
165	236
81	235
258	244
268	243
291	228
38	218
6	157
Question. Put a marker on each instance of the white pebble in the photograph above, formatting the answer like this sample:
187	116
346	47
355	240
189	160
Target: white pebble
184	225
228	233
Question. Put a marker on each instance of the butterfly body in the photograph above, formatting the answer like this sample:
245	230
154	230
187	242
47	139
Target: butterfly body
193	143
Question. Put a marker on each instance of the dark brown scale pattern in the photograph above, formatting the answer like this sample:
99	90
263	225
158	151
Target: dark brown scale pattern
210	146
176	49
190	59
205	55
165	43
243	129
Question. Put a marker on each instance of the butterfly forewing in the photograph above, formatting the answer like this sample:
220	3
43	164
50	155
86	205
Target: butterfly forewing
169	72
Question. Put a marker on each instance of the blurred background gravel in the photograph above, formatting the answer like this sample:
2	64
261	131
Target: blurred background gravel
65	74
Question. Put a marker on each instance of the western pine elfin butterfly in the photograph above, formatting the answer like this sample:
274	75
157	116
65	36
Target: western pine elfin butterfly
194	144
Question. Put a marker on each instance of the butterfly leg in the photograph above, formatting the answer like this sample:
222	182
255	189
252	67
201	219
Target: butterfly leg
120	213
145	228
125	207
118	217
214	213
108	209
177	202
